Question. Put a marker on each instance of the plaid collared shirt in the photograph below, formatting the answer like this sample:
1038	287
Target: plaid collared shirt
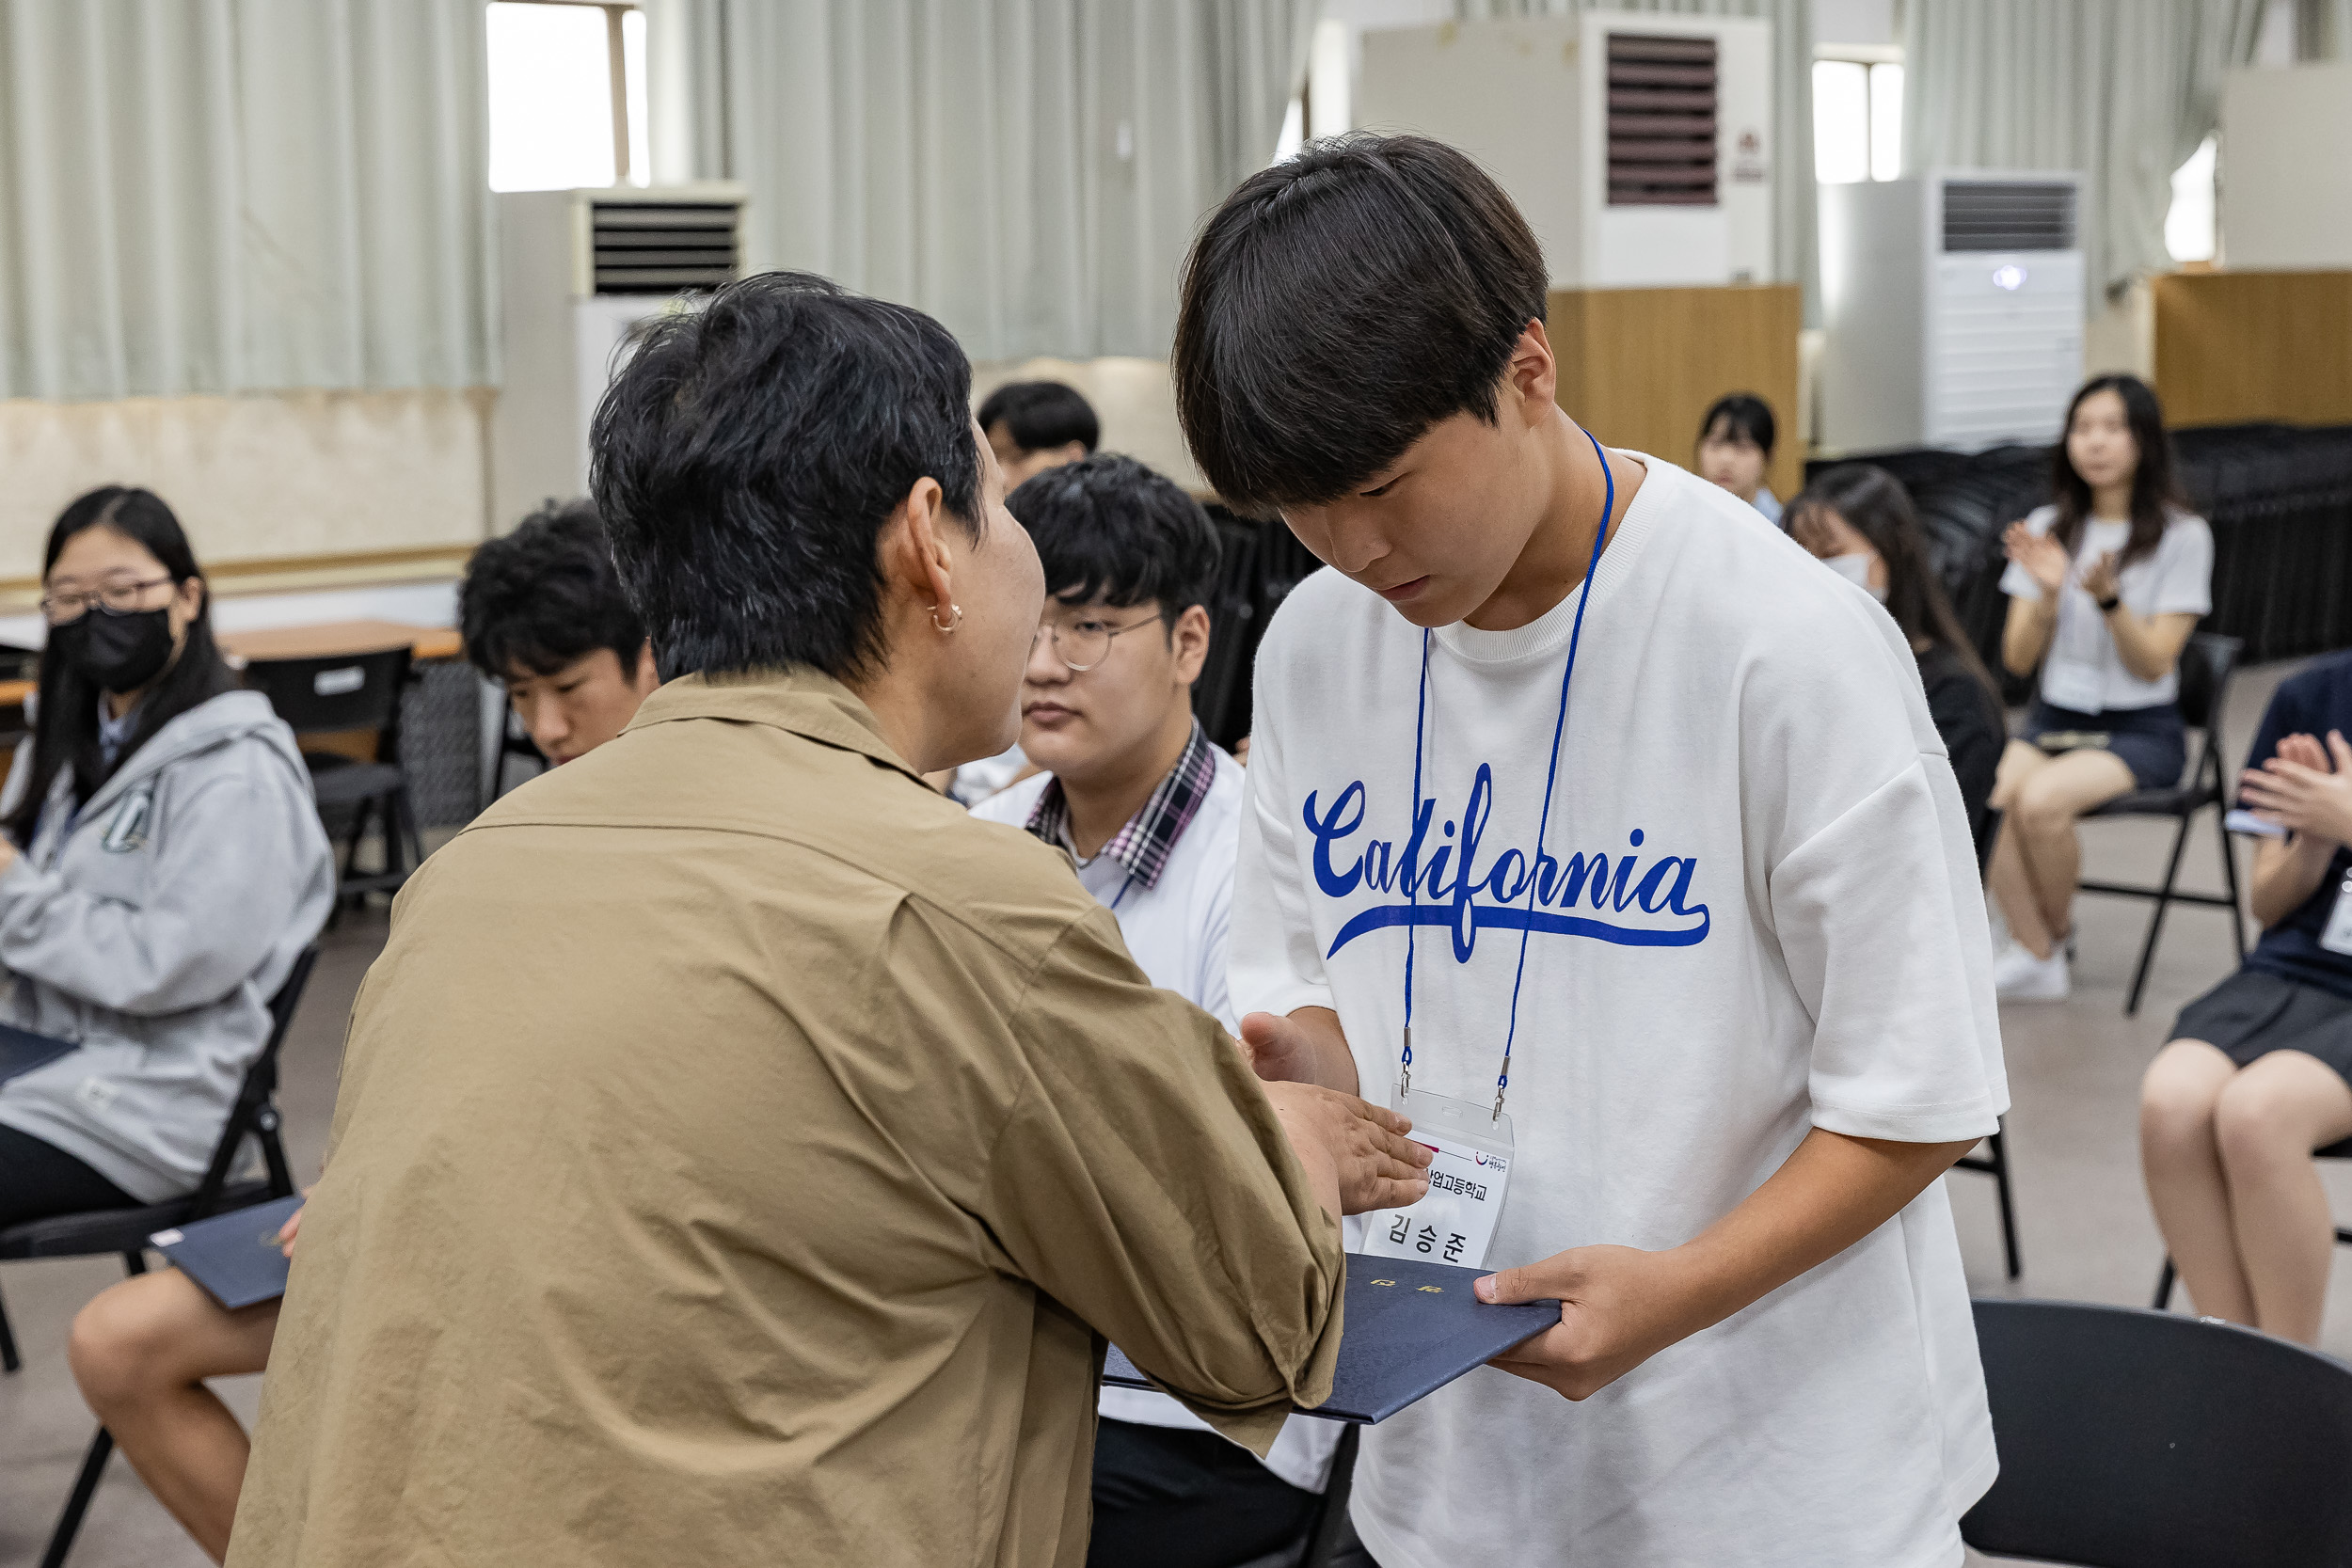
1149	836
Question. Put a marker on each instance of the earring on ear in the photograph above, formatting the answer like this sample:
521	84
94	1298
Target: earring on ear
951	626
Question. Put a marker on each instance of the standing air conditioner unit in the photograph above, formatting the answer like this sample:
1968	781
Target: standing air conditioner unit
1638	145
1953	305
579	271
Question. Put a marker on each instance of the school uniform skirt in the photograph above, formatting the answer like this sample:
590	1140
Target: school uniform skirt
2151	741
2254	1012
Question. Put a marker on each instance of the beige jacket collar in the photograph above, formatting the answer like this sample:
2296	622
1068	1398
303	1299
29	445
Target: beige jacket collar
804	701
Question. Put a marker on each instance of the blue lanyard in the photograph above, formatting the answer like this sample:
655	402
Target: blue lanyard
1543	820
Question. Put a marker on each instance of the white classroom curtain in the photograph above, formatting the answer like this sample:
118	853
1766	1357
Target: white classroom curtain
222	196
2323	29
1028	171
2120	90
1795	242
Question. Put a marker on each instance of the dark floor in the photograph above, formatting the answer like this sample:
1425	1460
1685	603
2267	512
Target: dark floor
2074	1074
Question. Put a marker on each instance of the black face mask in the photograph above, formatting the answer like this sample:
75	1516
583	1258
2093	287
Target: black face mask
116	652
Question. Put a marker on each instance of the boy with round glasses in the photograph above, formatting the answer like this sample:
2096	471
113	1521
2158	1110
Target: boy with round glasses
1148	809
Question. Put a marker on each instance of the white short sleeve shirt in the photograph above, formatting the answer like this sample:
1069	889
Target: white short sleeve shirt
1753	910
2083	672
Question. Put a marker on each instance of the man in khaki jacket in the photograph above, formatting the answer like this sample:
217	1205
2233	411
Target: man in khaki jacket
741	1154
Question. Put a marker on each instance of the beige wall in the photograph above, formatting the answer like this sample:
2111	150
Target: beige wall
2286	186
254	478
1133	398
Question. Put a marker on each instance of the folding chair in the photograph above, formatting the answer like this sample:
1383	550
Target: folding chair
2207	664
2343	1237
125	1230
1994	1161
2132	1439
345	694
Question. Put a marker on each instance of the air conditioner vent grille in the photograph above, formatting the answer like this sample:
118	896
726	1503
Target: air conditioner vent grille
1661	121
659	247
2009	214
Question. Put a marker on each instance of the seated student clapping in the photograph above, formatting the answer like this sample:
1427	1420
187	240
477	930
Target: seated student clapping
1150	811
2258	1072
161	869
544	615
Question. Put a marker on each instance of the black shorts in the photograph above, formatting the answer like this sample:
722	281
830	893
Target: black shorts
2148	740
39	1180
2251	1014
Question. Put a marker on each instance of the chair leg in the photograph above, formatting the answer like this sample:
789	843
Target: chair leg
400	817
85	1487
2008	1212
2155	921
2164	1286
9	1360
2229	881
281	1183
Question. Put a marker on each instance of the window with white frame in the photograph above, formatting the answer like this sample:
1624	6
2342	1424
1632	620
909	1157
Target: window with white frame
1857	114
567	95
2190	229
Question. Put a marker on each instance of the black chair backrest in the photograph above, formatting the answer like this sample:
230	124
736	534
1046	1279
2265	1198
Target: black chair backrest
351	692
254	1095
2132	1439
2205	666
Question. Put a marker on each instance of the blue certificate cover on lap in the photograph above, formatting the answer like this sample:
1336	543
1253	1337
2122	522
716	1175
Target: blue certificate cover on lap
1410	1328
234	1256
21	1051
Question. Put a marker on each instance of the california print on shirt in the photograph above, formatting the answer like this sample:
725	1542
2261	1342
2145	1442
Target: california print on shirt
1633	896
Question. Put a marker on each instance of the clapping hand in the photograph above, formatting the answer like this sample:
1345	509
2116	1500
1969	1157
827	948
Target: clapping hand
2101	578
2042	557
2302	790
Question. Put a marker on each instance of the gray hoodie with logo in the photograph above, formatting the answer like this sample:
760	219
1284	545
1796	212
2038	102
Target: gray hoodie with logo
152	929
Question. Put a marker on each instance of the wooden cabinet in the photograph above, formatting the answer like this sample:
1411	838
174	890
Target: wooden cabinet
1638	367
2234	348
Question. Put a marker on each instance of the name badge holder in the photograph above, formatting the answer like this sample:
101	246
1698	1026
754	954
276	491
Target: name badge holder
2337	938
1454	1221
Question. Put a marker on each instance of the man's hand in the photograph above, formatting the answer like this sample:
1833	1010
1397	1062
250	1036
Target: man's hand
1305	1048
1619	1306
1355	1152
2299	790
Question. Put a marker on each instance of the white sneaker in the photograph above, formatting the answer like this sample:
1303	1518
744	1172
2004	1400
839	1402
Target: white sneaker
2019	976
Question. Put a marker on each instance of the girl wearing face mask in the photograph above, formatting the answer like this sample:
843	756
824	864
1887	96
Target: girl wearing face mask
1858	521
2105	587
161	867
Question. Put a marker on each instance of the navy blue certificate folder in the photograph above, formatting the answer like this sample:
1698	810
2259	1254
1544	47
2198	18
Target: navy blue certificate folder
1409	1329
235	1255
21	1051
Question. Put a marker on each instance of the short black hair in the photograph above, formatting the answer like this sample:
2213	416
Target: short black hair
547	594
1339	305
1745	417
1041	413
1108	526
747	455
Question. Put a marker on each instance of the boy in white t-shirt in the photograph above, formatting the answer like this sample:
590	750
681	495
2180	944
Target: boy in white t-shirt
1150	809
1635	846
